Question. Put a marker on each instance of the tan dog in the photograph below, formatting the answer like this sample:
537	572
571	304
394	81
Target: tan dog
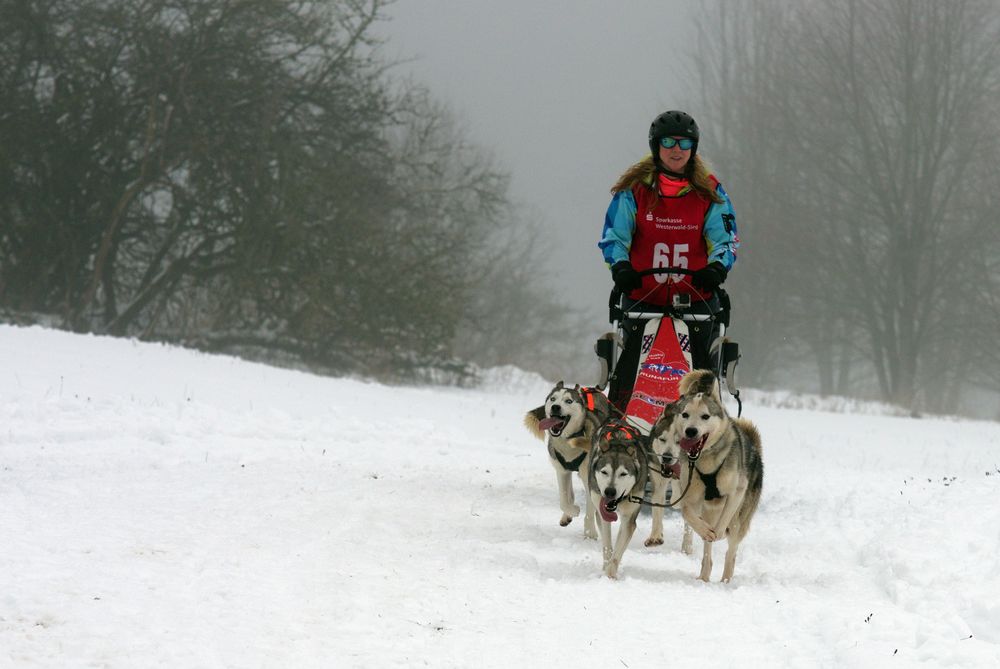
568	421
721	486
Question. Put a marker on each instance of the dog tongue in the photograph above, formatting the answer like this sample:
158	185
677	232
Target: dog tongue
675	470
692	446
549	423
608	515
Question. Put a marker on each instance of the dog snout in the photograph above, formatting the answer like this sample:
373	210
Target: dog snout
610	493
691	432
556	410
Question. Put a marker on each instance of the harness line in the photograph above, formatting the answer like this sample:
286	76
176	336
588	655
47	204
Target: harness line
641	500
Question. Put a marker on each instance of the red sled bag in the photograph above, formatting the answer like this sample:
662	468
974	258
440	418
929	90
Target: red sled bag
664	357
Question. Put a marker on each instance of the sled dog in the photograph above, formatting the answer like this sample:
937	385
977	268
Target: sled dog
665	470
568	421
722	484
618	473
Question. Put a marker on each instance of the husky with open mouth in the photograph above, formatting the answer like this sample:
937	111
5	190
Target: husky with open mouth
567	422
721	489
618	473
665	472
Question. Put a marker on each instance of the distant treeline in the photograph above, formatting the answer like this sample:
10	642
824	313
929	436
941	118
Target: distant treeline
860	140
245	176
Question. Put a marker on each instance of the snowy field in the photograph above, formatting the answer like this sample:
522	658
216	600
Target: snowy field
166	508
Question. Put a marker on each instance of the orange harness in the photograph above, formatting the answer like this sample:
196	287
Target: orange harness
587	395
618	433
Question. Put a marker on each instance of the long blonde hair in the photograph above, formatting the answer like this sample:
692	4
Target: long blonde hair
644	171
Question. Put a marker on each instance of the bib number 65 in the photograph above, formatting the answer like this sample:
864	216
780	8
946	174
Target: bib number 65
663	258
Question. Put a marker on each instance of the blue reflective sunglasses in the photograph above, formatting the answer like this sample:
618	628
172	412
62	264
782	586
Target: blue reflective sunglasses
670	142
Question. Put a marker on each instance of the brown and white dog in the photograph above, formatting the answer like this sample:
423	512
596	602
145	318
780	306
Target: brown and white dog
568	421
720	487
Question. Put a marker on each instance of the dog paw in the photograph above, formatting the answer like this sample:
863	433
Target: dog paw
707	534
571	511
590	534
565	520
653	541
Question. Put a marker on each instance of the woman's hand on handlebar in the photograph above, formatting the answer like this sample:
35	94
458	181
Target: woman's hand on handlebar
625	277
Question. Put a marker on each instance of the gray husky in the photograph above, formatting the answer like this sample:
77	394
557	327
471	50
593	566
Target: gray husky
618	472
568	421
720	486
665	471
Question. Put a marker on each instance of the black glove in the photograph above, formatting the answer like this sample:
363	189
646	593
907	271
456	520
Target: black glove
625	277
710	276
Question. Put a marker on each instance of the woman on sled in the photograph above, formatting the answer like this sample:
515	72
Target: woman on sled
669	210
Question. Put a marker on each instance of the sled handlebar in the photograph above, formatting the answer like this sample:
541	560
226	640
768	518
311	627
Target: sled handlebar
666	270
614	300
616	293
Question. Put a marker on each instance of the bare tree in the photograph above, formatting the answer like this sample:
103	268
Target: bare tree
171	134
879	116
902	91
740	50
241	175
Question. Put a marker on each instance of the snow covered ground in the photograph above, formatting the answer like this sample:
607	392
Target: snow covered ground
165	508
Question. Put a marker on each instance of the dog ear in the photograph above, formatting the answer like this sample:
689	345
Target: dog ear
714	389
666	418
532	419
559	386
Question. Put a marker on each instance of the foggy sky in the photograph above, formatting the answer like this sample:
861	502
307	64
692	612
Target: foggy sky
562	93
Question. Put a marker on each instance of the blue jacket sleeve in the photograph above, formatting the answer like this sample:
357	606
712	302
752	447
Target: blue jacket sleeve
720	231
619	226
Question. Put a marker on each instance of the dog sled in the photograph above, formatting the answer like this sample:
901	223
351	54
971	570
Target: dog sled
650	349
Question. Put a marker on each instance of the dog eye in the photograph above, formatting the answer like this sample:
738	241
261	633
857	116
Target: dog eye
685	415
705	416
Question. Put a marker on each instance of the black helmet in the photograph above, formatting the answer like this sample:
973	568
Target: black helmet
671	124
